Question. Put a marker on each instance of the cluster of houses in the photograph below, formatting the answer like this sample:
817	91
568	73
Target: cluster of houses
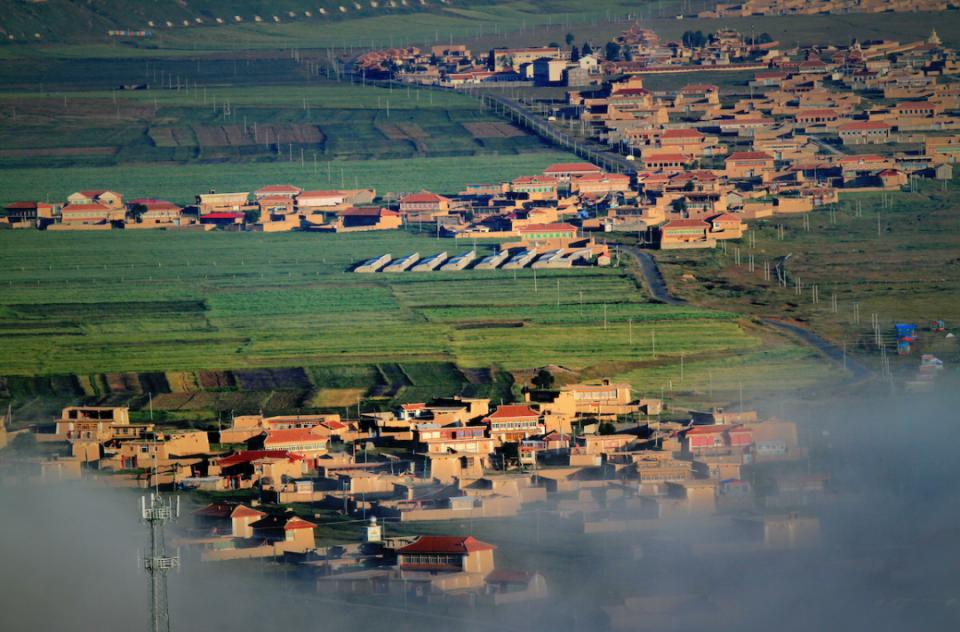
637	49
548	216
593	454
821	7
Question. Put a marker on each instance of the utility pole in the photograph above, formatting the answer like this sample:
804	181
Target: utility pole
155	512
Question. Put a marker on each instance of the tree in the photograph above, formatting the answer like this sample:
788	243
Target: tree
569	39
612	51
585	49
764	38
543	379
553	45
607	428
24	443
694	39
574	53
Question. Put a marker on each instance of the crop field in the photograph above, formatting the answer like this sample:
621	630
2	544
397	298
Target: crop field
325	120
907	271
193	317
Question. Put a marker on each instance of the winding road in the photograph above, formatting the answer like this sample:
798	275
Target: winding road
657	287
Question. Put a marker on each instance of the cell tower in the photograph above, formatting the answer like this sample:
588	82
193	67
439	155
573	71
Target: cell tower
155	512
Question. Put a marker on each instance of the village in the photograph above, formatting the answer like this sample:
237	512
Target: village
593	456
398	504
818	123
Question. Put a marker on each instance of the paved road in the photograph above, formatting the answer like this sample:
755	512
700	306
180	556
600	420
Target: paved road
652	276
832	351
658	290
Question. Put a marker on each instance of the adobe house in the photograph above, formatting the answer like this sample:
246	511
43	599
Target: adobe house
290	532
685	233
156	212
437	554
448	467
565	171
725	439
97	423
513	422
536	187
424	206
241	468
782	531
31	214
726	226
748	164
555	235
864	132
369	218
689	497
308	442
212	202
666	161
308	201
227	518
109	199
90	214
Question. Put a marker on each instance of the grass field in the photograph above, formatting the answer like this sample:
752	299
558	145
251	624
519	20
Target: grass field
182	182
279	317
906	273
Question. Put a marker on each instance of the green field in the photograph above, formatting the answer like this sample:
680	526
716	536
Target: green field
192	314
182	182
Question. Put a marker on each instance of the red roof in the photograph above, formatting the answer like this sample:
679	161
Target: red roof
291	435
511	411
298	523
603	177
418	406
536	228
96	206
572	167
864	125
242	511
685	223
749	155
666	157
16	205
450	544
224	215
681	133
247	456
418	198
